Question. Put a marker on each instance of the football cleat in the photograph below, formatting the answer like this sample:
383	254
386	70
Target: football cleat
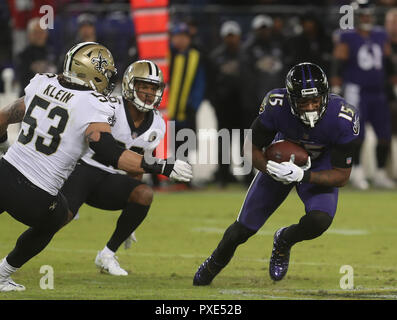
108	263
204	275
357	178
279	260
381	180
7	285
128	242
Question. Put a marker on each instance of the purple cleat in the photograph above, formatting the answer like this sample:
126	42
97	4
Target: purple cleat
206	273
279	260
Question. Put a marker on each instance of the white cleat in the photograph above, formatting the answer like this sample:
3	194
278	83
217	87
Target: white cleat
128	242
357	179
381	180
108	263
7	285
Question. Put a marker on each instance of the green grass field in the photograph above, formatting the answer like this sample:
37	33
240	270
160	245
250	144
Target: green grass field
183	228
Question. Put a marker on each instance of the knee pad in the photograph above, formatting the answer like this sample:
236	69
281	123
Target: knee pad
238	233
316	222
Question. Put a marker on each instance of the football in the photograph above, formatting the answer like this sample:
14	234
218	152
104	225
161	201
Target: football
282	150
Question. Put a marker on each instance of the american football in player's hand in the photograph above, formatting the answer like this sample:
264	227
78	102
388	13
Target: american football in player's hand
282	150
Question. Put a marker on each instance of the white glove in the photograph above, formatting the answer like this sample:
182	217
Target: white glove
131	238
287	172
181	171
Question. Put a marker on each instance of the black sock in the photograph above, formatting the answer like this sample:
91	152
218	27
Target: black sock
131	217
29	244
382	151
235	235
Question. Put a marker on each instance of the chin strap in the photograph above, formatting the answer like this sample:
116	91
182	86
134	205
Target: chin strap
310	118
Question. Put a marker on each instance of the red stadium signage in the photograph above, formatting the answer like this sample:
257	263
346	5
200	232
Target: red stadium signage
151	20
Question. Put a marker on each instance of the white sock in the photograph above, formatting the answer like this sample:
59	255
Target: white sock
107	251
5	269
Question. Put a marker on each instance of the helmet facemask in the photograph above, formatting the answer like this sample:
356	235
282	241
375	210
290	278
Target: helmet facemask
307	83
311	117
143	88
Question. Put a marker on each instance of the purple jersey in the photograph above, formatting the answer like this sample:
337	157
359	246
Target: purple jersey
338	125
365	64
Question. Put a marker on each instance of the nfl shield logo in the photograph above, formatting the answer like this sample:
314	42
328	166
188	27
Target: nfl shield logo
349	160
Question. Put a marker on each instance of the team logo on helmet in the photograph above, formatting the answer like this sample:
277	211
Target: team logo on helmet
100	63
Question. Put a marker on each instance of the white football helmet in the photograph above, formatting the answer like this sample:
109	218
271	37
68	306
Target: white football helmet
146	71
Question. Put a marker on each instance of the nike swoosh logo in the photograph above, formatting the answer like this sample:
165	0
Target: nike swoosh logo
287	174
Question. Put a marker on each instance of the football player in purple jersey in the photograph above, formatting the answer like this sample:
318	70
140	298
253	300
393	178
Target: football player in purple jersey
326	126
361	63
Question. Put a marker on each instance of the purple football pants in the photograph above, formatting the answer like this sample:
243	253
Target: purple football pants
265	195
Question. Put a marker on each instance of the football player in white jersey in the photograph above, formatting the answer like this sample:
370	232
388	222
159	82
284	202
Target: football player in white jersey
61	117
139	127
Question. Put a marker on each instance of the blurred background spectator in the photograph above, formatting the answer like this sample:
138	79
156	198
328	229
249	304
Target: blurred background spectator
263	67
187	80
391	28
224	84
361	65
36	57
312	44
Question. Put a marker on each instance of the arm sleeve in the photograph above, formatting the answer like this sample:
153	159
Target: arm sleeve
342	154
261	136
346	143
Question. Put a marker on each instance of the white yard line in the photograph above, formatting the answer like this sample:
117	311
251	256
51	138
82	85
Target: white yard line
131	252
345	232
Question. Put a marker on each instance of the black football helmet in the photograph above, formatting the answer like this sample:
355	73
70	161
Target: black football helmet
306	81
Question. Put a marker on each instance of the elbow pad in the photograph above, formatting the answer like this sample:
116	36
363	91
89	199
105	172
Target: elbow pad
106	149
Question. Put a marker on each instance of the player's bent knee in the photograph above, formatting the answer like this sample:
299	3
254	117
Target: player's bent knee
143	194
238	233
317	221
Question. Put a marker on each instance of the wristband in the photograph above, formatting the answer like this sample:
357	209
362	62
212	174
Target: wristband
306	176
159	166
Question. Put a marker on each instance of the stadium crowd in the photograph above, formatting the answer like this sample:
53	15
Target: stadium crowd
242	53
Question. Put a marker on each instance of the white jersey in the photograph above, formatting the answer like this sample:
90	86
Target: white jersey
52	135
143	139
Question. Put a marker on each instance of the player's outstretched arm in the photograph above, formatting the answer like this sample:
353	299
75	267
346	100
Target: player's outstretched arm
100	140
253	146
259	160
12	113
